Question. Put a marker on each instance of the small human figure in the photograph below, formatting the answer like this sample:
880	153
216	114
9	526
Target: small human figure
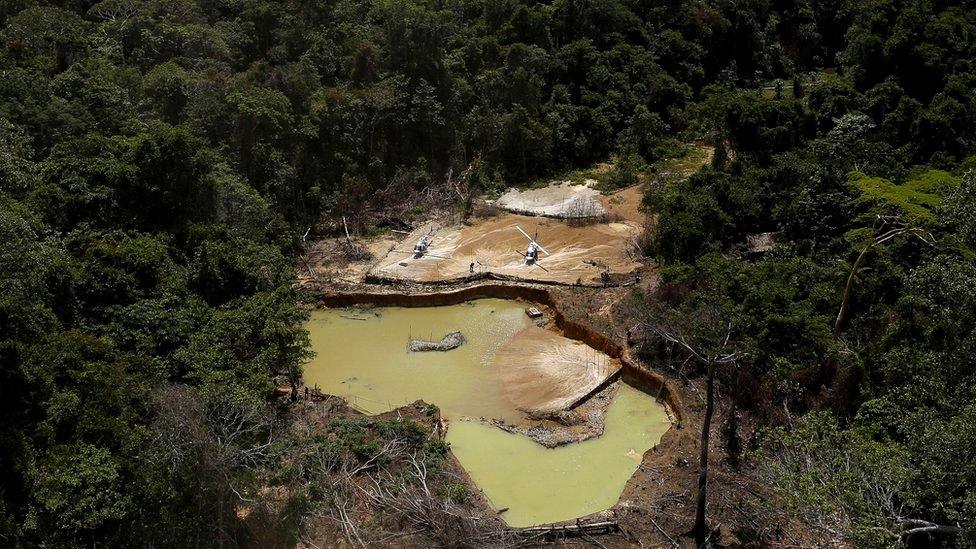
471	267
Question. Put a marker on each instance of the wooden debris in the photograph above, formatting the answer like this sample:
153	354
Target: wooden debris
578	529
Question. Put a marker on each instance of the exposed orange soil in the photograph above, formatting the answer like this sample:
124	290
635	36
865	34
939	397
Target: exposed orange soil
625	204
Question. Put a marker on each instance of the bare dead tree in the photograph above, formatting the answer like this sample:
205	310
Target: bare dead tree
409	500
115	11
209	442
392	494
304	256
584	211
705	335
886	228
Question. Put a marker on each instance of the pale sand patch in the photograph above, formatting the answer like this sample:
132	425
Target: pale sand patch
563	200
543	372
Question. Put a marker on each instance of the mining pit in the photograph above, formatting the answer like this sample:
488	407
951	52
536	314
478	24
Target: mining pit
549	418
582	250
509	394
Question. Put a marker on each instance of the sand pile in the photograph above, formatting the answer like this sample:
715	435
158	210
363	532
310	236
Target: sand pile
544	373
564	200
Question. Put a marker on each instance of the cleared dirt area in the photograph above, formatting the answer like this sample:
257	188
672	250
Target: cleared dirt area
625	204
543	372
494	244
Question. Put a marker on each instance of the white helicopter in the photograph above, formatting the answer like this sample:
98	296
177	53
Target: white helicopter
531	254
420	249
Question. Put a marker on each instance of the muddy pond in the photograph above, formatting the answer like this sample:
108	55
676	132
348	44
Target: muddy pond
362	356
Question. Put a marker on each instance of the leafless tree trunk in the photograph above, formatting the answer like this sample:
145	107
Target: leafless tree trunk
706	337
899	229
701	527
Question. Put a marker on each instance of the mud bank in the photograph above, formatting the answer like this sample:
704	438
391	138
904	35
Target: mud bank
647	381
616	280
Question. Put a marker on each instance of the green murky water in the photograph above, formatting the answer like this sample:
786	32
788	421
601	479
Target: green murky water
541	485
362	356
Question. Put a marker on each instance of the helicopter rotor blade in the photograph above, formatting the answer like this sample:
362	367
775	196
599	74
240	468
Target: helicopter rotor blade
532	240
524	233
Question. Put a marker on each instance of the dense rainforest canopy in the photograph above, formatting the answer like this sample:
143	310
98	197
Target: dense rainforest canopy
160	160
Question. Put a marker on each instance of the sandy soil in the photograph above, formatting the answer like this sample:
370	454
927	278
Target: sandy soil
625	204
579	253
563	200
543	372
583	422
495	245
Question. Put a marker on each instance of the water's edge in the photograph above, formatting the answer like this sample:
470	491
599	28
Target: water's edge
631	372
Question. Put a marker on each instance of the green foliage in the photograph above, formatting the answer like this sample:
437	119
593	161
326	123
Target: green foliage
454	492
409	430
17	169
353	436
781	306
754	126
817	169
830	475
704	213
625	172
158	160
960	208
916	199
78	488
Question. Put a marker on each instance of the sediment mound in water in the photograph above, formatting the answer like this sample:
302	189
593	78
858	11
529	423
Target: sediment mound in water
544	373
452	340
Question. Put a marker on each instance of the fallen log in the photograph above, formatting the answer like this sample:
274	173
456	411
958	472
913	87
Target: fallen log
579	529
